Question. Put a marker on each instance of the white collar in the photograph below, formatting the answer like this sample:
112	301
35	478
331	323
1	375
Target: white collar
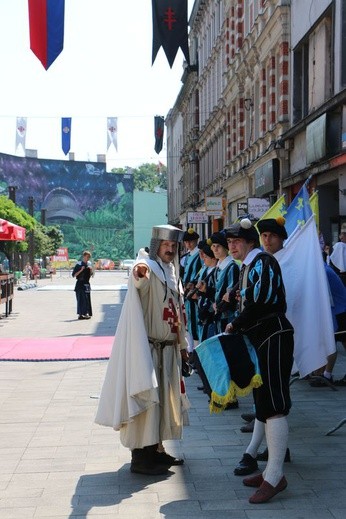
250	256
193	251
224	263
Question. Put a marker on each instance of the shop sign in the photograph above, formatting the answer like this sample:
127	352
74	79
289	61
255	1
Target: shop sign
267	177
213	204
257	207
242	209
197	217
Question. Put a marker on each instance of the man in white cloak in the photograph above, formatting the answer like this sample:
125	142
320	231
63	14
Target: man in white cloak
142	392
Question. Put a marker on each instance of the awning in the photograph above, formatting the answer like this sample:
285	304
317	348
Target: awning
10	231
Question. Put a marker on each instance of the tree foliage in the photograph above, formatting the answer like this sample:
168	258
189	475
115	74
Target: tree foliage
15	214
46	239
147	177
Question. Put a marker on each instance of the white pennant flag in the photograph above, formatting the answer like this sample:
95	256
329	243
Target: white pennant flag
21	132
112	132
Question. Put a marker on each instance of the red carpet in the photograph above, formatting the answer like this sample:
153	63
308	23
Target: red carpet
60	348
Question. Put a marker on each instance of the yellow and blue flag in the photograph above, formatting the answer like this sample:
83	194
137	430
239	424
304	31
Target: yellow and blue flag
299	211
315	208
276	210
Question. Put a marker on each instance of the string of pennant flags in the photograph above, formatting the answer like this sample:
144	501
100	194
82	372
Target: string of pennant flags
112	133
46	28
46	32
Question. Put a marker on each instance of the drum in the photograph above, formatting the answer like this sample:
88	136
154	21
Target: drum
229	364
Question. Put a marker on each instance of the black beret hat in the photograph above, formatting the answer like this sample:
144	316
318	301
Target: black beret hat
274	225
190	235
204	246
244	229
220	238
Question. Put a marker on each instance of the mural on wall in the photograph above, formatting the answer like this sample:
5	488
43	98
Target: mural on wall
94	209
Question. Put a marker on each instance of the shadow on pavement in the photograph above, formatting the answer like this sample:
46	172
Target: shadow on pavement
108	489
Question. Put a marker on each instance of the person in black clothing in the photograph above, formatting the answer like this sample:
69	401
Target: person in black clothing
262	321
82	272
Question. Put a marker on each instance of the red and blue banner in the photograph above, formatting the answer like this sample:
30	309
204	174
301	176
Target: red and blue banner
46	24
66	134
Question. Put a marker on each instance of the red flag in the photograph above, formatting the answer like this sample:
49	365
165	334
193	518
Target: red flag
46	24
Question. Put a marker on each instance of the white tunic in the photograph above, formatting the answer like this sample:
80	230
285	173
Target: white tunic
141	394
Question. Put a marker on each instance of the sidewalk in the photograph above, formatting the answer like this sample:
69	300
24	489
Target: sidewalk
56	463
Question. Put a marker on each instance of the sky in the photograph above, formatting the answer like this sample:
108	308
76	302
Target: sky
103	71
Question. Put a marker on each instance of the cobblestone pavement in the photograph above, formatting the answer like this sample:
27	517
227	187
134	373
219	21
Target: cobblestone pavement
56	463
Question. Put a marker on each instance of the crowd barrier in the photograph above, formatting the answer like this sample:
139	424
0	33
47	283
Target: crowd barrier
6	291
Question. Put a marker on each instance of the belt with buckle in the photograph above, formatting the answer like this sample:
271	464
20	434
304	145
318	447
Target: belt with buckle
160	344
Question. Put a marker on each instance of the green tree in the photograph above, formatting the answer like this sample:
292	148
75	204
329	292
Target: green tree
56	236
15	214
146	177
47	240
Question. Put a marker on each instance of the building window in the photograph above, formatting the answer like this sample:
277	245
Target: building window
300	82
312	68
343	44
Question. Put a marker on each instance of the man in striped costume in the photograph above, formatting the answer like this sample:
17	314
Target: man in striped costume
261	318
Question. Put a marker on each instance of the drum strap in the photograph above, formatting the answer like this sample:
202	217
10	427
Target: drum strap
244	271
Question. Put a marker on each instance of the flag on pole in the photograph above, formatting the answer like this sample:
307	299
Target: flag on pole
308	300
299	211
46	25
159	123
170	28
21	132
66	134
315	208
112	132
276	210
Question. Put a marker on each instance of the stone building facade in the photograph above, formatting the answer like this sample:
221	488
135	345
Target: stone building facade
265	89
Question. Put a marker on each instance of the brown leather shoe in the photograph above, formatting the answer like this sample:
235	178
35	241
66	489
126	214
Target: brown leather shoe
254	481
267	491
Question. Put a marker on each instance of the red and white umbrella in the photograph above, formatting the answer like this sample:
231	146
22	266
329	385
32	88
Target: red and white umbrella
10	231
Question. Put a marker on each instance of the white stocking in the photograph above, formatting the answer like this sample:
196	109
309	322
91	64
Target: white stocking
277	440
256	438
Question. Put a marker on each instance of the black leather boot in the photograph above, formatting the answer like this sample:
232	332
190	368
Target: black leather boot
143	462
166	459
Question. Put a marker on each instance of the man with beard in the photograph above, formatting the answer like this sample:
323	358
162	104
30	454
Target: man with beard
142	393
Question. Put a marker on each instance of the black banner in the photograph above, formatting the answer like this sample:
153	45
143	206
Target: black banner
170	28
159	130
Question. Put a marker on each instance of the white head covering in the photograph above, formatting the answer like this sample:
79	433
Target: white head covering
338	256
